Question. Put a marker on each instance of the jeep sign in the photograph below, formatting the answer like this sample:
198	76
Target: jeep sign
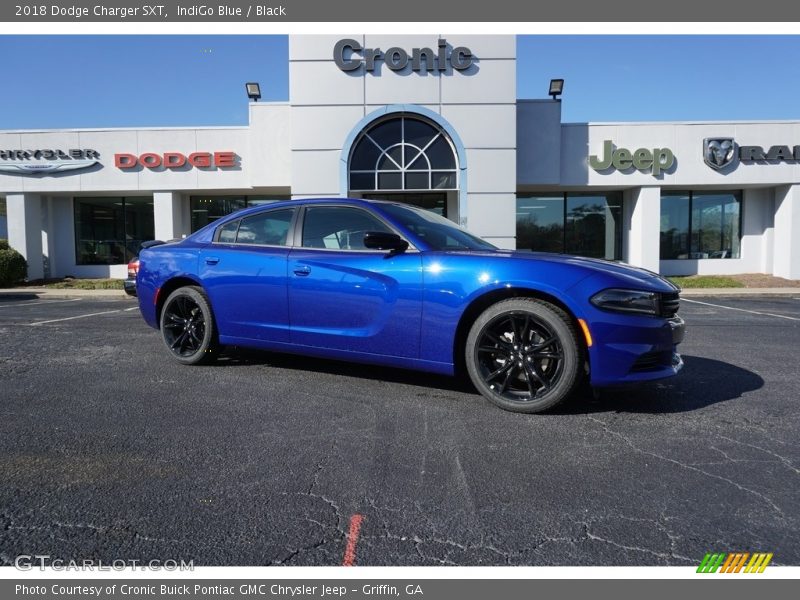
655	161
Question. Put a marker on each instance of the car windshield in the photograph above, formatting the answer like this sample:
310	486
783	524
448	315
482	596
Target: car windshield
437	231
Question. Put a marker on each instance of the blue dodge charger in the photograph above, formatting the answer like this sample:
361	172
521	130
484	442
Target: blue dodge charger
386	283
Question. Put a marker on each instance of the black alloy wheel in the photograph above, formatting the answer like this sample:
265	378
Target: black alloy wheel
523	355
187	326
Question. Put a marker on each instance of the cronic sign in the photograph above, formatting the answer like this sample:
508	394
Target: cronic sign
350	55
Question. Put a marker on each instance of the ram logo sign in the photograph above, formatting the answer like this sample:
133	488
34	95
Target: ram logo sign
721	152
718	153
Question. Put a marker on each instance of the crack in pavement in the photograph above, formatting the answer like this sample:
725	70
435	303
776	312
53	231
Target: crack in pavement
96	529
334	506
293	553
507	556
321	465
690	467
660	525
782	459
668	556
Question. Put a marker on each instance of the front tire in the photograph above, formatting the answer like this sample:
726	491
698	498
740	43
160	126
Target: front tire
523	355
187	326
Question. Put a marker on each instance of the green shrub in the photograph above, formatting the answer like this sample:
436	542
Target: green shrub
4	245
13	267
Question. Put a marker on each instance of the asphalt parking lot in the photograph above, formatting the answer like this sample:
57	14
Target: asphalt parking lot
109	450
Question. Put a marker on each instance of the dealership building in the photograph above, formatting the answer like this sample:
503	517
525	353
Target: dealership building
434	121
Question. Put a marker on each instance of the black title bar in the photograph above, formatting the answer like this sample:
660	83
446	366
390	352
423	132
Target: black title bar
445	11
731	588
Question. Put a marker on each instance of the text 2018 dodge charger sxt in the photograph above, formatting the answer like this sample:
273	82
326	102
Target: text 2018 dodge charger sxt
386	283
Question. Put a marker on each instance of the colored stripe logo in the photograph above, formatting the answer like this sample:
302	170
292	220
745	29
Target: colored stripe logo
734	562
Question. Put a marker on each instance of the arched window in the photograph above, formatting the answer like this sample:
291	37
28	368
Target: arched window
403	153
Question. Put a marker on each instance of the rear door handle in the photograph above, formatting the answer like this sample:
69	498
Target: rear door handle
302	271
211	260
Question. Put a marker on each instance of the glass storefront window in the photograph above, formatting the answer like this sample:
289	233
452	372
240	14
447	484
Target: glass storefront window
594	225
403	153
700	225
207	209
540	223
3	219
585	224
674	225
110	231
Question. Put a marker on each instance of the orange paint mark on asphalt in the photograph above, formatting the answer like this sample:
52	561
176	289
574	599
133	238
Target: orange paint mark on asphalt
352	540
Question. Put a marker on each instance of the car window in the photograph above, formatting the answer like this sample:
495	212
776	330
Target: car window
338	227
227	233
269	228
439	232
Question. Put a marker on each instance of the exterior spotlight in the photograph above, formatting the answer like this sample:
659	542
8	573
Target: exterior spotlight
253	90
556	88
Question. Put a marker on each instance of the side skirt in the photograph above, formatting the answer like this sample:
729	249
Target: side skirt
345	355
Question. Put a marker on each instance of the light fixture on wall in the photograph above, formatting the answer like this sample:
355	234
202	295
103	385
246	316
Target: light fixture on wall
556	88
253	90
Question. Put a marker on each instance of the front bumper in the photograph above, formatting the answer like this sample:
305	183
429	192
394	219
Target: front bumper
678	327
635	349
129	285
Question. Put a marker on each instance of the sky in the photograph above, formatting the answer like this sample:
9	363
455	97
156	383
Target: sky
50	82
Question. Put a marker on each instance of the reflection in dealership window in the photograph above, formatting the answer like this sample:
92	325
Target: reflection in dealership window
540	223
110	231
207	209
3	219
585	224
700	225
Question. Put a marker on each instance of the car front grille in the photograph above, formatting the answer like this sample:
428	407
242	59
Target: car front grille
668	304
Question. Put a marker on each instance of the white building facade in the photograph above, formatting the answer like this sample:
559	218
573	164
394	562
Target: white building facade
432	120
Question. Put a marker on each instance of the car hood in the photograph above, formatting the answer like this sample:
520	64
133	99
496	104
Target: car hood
595	264
624	273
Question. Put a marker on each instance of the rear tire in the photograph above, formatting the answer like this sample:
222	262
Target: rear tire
523	355
187	326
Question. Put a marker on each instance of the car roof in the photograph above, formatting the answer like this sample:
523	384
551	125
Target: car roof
205	232
302	202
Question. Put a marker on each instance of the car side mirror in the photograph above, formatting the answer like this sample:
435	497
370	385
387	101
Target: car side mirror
384	240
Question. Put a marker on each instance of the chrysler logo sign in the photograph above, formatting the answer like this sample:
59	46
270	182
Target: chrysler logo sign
349	55
46	161
721	152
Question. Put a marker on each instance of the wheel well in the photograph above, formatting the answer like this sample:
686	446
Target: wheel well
170	286
483	302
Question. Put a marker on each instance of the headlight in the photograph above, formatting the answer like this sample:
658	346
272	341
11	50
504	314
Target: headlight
631	301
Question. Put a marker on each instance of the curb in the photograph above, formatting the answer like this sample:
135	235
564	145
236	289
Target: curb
789	291
42	292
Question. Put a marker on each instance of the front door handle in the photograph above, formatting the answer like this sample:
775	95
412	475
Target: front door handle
302	271
211	260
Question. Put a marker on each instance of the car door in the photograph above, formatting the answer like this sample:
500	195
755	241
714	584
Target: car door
344	296
244	272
